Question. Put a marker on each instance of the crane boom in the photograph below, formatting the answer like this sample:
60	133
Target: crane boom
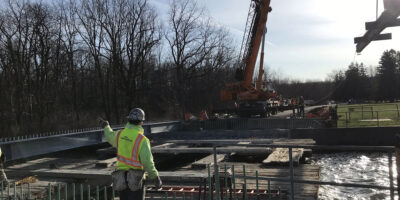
262	8
251	99
254	32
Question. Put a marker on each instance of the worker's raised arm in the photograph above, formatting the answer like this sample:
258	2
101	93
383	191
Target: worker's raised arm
109	134
146	158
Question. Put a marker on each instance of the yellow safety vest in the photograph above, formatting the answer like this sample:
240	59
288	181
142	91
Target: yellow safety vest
129	145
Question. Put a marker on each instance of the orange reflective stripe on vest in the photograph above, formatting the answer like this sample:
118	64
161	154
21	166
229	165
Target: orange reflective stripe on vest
134	160
118	134
128	161
136	146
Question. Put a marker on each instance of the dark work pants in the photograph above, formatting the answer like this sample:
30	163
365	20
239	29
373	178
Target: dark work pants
3	176
132	195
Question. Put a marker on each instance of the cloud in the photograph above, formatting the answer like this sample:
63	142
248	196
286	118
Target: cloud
307	39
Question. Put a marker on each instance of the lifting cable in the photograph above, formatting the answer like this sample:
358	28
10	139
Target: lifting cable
377	9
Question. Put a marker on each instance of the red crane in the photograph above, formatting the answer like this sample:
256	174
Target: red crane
252	99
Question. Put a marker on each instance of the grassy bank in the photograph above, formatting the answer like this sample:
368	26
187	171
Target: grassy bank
368	115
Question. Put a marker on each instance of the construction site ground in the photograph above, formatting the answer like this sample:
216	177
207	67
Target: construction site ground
85	166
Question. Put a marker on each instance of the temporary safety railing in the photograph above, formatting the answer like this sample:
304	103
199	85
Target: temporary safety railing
37	144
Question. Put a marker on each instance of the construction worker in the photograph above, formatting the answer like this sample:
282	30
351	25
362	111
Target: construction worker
133	157
301	104
3	177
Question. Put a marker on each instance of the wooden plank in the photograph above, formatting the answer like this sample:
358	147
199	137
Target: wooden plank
105	176
285	141
280	156
202	163
106	163
220	150
222	141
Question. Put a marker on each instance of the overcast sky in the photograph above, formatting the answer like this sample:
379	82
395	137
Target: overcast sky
307	39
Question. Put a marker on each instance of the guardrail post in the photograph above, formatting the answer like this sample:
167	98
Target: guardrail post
391	175
226	182
66	191
244	183
398	161
48	191
257	191
105	193
216	173
210	188
398	112
372	111
97	193
29	191
15	190
234	182
269	189
81	192
291	173
88	188
59	191
362	112
377	117
73	191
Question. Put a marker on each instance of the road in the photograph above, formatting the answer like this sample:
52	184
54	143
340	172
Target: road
287	113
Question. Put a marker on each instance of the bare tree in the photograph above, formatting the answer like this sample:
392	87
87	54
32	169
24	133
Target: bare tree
67	19
90	29
144	34
15	32
197	46
61	63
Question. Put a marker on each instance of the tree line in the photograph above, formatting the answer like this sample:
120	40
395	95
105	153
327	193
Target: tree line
64	63
358	83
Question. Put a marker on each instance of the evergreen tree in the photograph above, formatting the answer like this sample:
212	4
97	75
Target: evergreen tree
354	83
338	85
388	74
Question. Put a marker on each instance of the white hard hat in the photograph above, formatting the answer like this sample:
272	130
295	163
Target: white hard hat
136	114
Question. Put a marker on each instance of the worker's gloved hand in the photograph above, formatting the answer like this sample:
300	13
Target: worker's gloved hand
158	183
102	123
